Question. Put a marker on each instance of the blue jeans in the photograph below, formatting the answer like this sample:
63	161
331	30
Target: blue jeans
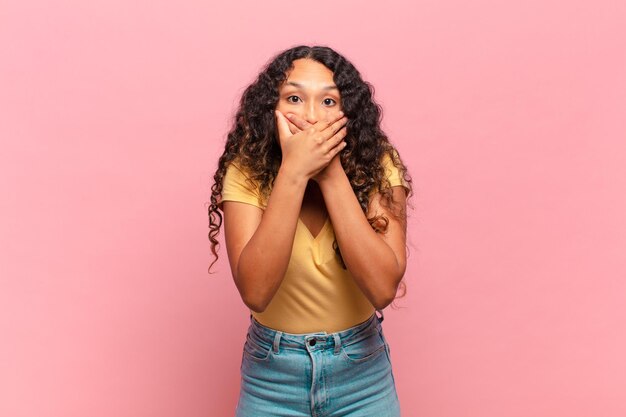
347	373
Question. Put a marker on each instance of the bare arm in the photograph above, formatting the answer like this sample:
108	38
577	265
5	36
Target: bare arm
259	244
376	261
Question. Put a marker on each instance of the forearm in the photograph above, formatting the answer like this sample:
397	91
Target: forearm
264	260
371	262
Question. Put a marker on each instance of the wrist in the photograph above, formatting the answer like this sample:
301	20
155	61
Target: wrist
329	181
292	176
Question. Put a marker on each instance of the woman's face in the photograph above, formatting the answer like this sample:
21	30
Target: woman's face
309	92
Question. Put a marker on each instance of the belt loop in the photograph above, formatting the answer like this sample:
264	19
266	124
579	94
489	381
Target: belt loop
337	343
277	341
382	316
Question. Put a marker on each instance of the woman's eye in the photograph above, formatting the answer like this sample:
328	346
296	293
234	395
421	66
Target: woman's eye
327	101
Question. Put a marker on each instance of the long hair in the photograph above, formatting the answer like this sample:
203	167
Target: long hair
252	138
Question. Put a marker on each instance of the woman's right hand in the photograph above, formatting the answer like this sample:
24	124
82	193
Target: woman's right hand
309	151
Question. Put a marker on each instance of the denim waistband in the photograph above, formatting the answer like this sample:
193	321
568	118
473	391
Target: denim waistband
322	339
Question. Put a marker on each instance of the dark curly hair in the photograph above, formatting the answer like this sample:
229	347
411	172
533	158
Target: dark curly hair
252	139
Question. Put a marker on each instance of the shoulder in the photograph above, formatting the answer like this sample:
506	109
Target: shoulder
238	184
237	175
393	173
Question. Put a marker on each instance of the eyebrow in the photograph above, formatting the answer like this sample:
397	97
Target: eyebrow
326	87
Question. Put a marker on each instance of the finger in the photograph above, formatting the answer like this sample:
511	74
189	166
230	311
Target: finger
337	138
323	124
281	123
334	128
334	117
298	121
293	128
329	146
341	146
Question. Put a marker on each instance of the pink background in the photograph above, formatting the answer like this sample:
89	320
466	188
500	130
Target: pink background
510	116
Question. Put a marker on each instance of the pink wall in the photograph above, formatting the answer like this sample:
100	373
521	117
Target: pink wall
510	115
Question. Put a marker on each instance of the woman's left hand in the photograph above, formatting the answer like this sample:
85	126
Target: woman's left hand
334	167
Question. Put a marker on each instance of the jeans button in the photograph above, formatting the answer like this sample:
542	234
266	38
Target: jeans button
312	342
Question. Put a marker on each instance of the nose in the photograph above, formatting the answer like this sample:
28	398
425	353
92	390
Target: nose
314	112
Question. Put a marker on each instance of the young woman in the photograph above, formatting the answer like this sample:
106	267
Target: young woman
314	201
